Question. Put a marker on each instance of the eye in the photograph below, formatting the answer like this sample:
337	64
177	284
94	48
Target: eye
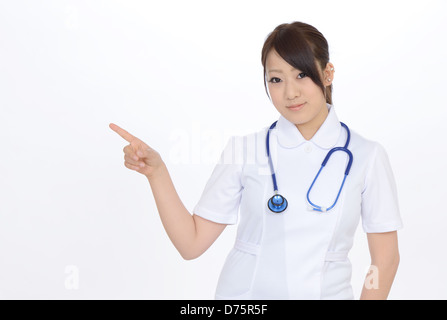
302	75
275	80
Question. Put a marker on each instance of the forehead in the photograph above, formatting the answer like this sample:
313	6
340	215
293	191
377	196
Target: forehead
275	63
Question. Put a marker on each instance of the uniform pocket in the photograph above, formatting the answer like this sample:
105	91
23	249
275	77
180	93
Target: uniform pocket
236	278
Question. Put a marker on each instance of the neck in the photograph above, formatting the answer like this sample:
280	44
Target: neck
309	128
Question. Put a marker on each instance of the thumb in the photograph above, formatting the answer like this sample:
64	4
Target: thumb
142	150
138	147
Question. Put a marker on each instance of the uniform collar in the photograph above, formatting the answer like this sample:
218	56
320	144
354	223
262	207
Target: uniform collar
326	137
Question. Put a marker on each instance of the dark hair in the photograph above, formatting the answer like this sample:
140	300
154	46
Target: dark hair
302	46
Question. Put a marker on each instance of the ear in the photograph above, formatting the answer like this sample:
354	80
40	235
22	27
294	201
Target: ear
328	74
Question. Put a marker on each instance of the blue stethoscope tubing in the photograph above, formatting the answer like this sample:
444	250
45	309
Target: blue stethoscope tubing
278	203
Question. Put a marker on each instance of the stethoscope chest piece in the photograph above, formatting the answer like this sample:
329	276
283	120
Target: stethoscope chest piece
277	203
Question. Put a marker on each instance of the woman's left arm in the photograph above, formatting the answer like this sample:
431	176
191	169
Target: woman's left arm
384	252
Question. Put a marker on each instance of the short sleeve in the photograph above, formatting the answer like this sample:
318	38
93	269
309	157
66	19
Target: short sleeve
221	197
380	207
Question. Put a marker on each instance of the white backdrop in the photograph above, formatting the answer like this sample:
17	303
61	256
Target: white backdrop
184	76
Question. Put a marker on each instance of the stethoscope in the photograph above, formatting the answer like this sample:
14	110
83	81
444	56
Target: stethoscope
278	203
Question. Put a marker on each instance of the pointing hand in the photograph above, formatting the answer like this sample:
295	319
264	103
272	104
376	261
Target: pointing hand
138	155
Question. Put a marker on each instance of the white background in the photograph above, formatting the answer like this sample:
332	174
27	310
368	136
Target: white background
184	76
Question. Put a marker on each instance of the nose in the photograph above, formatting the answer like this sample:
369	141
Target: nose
292	91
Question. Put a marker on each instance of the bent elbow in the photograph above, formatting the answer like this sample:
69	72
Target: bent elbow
190	255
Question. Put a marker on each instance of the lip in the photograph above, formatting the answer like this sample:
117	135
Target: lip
296	107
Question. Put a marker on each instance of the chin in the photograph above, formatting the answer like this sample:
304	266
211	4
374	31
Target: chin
295	118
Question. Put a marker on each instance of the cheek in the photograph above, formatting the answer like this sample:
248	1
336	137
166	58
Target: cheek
313	91
275	94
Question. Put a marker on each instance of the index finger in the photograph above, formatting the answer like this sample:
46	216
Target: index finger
123	133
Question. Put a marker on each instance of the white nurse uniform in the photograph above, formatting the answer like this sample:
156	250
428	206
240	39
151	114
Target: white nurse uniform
297	254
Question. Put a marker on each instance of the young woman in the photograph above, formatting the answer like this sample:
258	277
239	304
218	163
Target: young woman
297	215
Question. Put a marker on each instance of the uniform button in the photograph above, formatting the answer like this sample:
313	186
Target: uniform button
308	148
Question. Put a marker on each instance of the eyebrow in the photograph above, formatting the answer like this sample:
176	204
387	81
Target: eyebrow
280	71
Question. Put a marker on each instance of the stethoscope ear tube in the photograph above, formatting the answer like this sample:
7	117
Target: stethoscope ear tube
349	153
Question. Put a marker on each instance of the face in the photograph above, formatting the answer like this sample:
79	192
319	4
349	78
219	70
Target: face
296	97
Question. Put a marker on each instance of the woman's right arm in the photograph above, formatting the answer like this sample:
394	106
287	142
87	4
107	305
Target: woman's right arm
190	234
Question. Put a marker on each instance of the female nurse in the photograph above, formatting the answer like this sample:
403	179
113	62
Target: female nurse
297	253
